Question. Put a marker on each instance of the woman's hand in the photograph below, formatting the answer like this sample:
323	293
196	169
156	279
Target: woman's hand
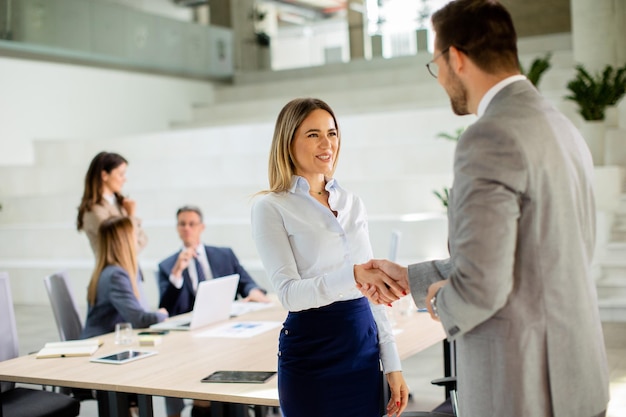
399	397
129	205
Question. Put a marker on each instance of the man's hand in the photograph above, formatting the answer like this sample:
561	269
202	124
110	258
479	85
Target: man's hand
184	257
257	295
432	290
397	282
375	284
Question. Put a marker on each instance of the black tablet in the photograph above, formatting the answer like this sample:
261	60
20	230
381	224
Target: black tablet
246	377
124	357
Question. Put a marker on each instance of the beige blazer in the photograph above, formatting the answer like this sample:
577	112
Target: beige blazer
99	213
521	302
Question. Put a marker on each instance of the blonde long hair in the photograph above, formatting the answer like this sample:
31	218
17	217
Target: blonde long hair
281	161
116	246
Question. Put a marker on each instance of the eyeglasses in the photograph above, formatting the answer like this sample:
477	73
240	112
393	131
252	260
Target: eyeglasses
190	224
432	67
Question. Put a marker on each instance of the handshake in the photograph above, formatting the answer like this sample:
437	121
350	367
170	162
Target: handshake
382	281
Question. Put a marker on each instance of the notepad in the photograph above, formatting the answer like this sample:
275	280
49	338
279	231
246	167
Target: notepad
69	348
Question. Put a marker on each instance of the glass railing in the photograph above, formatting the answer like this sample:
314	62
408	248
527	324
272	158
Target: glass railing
109	34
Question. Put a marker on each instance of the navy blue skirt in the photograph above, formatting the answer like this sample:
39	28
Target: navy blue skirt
328	362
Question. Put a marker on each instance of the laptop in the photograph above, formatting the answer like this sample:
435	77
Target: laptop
214	299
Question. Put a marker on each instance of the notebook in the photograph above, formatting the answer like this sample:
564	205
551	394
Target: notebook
214	299
69	348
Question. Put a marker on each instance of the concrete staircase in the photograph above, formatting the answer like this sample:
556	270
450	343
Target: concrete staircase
390	113
219	168
612	283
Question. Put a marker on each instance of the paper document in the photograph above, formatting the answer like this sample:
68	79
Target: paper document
242	307
240	329
69	348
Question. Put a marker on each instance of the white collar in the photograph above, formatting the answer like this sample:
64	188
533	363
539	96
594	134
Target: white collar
110	198
491	93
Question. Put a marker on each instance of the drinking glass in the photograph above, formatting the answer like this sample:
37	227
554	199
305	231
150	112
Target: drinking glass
123	334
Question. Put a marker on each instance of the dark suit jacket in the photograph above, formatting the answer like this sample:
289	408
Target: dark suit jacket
222	261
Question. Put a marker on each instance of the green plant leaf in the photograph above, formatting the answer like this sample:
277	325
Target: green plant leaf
537	68
443	196
593	93
452	136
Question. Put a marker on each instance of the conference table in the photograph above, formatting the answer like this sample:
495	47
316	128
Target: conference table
185	357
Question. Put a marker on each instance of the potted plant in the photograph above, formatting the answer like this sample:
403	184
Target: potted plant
593	93
537	68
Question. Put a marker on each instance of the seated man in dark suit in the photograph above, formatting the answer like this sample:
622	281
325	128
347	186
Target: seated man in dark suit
180	273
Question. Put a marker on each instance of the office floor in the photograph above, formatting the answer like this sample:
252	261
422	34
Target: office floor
35	325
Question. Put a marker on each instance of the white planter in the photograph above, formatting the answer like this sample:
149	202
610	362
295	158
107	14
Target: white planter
593	132
615	147
611	116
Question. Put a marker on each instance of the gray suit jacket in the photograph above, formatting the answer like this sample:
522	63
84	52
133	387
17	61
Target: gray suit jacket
521	302
116	303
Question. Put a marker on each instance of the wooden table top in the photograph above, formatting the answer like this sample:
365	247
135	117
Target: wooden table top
184	358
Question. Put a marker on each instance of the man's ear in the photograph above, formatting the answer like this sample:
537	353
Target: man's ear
457	60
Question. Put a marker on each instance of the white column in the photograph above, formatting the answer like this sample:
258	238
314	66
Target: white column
598	33
244	36
360	44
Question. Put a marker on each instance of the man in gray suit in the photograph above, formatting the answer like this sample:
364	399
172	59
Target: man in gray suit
516	293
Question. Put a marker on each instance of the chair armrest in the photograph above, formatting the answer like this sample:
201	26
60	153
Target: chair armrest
448	382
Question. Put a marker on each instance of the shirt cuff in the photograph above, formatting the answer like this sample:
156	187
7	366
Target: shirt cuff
341	282
176	282
390	358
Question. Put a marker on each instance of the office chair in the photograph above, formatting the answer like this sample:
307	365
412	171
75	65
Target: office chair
67	318
64	307
448	408
394	244
18	401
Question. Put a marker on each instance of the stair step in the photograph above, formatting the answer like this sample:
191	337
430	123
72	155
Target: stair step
614	311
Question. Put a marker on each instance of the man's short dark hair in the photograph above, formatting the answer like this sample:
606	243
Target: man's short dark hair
481	29
187	208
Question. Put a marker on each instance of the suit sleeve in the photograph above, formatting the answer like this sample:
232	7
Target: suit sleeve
142	238
485	204
174	300
91	222
246	283
163	276
127	305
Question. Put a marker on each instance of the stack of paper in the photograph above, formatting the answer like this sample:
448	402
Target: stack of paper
242	307
150	340
69	348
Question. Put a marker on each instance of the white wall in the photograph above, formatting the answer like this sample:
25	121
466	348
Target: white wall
41	100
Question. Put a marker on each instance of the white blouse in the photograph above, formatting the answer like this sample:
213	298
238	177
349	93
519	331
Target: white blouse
309	254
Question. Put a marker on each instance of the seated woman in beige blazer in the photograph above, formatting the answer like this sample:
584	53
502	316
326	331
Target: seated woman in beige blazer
102	197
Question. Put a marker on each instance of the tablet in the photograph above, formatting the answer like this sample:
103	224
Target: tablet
124	356
246	377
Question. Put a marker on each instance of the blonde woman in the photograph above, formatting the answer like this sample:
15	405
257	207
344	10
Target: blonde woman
115	294
312	235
